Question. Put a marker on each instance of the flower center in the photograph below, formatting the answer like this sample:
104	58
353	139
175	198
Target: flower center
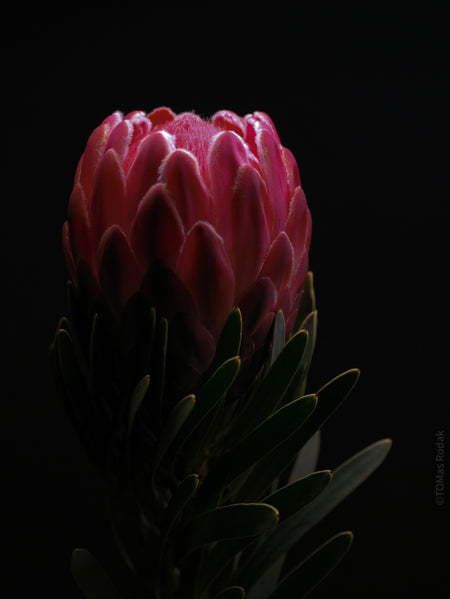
195	135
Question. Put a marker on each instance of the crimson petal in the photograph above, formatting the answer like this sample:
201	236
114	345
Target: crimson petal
118	272
108	198
298	226
120	138
226	119
161	115
274	174
95	148
181	174
293	176
205	269
82	242
299	276
279	261
144	170
67	246
226	155
251	235
157	230
258	302
190	350
166	292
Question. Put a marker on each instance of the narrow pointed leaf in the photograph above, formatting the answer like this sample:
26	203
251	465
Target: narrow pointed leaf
138	332
346	478
270	433
298	384
231	522
317	566
308	301
268	580
278	337
160	362
182	496
216	560
64	324
91	577
271	390
75	317
75	387
330	397
229	342
286	364
260	442
180	499
290	499
172	426
286	501
231	593
208	396
95	351
136	399
307	458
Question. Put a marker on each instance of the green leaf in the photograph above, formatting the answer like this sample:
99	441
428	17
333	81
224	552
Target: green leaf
278	337
75	386
101	356
330	397
159	362
216	560
182	496
234	521
286	501
229	342
79	404
95	351
75	315
264	438
307	458
272	388
79	317
64	324
298	385
346	478
231	593
291	498
270	433
137	336
300	582
136	399
56	371
179	500
90	576
208	396
308	301
171	428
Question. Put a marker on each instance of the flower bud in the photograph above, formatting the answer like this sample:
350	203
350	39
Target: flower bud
197	215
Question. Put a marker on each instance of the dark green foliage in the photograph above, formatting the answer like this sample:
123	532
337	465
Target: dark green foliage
231	593
90	576
301	581
197	507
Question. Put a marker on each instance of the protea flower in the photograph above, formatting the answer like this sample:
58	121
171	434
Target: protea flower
200	216
195	416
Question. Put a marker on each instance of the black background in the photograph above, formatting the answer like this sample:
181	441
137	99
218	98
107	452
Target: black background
361	97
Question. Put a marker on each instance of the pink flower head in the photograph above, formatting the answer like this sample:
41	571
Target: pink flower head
199	215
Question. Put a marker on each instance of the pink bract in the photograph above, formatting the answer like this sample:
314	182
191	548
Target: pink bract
199	215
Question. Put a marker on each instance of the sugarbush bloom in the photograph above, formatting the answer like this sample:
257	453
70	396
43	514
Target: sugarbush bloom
197	215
